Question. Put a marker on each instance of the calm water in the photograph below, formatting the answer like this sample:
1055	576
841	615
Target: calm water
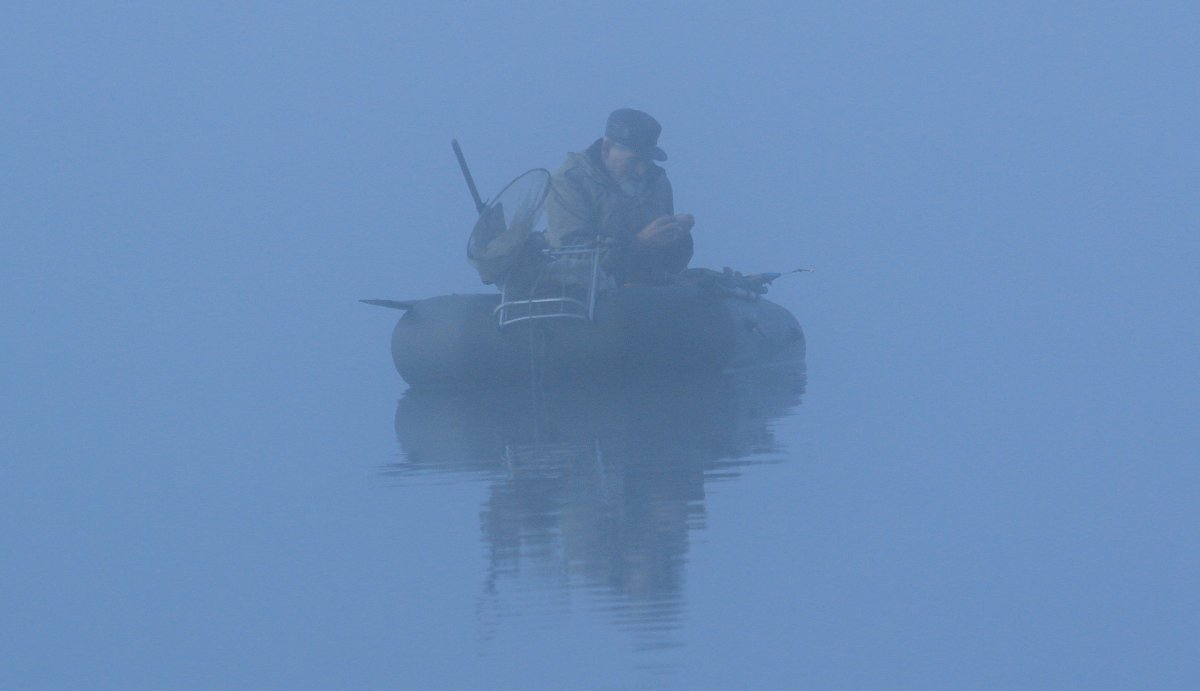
261	521
595	496
985	477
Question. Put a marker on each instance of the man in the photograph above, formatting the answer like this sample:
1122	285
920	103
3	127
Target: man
614	192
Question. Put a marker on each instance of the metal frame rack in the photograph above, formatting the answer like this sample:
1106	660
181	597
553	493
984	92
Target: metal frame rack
513	310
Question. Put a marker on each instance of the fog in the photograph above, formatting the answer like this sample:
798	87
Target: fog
984	476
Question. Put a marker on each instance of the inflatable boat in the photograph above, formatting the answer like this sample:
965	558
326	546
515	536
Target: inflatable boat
559	319
468	341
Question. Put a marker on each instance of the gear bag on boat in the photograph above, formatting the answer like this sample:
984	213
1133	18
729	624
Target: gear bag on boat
507	232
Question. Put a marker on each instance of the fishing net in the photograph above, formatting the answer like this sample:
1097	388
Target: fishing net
506	223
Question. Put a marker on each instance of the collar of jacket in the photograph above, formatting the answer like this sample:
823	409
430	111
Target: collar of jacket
595	165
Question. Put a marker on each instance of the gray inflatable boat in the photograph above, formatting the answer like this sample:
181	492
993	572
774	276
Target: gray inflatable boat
467	341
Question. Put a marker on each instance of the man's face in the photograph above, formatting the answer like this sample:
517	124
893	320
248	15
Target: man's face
624	164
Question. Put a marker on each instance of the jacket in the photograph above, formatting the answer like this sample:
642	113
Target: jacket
586	203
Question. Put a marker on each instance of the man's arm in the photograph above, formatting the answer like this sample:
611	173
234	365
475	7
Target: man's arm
667	241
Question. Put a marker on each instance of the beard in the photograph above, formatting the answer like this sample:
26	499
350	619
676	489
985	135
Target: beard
632	187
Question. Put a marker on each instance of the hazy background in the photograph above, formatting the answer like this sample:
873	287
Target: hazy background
990	480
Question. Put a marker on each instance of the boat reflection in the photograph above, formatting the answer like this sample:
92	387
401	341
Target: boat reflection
597	489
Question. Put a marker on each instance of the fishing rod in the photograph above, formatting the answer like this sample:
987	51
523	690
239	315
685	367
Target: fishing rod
462	163
757	283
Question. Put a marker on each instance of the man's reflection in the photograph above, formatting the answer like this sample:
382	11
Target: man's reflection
598	487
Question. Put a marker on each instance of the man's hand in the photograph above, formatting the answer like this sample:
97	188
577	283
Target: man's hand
666	230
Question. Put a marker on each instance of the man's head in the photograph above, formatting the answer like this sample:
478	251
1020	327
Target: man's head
630	144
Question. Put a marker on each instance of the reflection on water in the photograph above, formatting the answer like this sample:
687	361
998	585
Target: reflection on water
594	491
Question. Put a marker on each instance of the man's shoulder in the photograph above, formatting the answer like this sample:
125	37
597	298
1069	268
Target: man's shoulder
574	166
581	167
658	178
577	167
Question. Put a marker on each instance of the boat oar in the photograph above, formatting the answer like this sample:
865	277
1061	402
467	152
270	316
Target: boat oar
394	304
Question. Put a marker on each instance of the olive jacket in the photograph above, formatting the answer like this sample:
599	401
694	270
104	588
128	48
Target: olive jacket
586	203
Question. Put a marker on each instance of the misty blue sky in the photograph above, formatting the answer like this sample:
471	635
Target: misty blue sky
985	155
999	200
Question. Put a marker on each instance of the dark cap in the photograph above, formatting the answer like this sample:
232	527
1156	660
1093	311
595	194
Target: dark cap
635	130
